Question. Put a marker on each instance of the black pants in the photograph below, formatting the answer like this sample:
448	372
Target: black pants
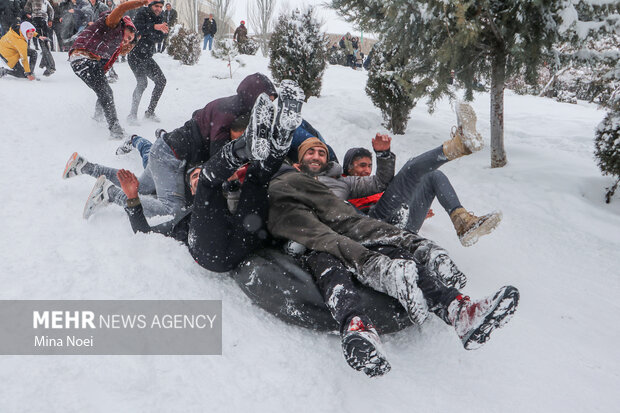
91	72
143	68
340	291
218	239
40	24
18	70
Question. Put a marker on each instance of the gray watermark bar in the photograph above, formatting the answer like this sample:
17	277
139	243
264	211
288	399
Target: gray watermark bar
111	327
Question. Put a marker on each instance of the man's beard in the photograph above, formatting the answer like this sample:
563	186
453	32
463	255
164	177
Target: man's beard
306	169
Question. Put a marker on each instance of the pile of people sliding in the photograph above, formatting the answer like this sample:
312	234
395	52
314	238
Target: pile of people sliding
247	172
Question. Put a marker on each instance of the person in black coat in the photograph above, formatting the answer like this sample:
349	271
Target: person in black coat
209	28
170	18
151	28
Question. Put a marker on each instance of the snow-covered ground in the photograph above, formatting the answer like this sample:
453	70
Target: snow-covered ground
559	243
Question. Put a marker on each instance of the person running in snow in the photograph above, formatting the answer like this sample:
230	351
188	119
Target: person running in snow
94	52
414	270
192	144
409	195
218	238
15	52
151	30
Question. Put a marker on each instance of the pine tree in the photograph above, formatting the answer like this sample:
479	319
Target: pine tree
477	39
225	50
185	45
389	89
590	33
298	50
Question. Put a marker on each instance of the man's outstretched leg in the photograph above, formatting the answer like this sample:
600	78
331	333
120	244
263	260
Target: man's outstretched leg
361	345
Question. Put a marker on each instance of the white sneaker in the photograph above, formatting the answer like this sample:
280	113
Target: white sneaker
126	146
466	122
74	166
475	321
98	197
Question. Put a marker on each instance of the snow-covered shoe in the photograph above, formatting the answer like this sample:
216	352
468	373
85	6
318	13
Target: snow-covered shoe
466	123
362	348
132	119
470	227
397	278
290	100
117	132
443	267
259	129
126	146
151	116
2	71
475	321
98	197
74	166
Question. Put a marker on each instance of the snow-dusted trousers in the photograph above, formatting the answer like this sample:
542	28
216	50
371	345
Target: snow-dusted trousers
415	187
142	69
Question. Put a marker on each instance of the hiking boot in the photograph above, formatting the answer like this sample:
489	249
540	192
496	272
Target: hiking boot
151	116
362	348
126	146
98	197
74	166
466	123
443	267
474	321
464	137
290	99
259	129
397	278
117	132
470	227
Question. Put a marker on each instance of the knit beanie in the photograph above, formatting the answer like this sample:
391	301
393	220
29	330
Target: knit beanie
307	144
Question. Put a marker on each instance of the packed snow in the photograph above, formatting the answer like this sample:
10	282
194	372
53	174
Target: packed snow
559	243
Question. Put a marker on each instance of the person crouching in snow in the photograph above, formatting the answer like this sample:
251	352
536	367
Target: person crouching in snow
15	52
95	51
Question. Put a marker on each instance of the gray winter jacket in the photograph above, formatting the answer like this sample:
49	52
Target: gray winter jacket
304	210
349	187
40	8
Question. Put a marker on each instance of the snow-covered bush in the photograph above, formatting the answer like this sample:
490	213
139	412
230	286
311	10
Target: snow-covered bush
390	90
298	51
336	56
225	50
607	149
250	46
185	45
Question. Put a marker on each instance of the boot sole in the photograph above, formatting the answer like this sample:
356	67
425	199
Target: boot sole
260	128
484	227
92	203
70	164
362	355
466	118
504	309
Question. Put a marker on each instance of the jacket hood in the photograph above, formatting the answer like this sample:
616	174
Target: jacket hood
352	154
128	23
334	170
252	86
26	27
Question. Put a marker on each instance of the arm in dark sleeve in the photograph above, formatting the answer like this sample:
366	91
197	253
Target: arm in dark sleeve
117	14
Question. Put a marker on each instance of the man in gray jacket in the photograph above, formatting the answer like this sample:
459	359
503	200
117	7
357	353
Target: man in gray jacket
415	271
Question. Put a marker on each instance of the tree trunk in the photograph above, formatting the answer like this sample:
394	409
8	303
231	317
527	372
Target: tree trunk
498	77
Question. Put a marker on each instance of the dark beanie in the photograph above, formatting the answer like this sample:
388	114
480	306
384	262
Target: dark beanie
351	155
154	2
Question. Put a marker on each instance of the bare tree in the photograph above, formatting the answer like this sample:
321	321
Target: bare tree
260	14
222	13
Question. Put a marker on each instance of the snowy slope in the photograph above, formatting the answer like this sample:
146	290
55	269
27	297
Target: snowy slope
558	243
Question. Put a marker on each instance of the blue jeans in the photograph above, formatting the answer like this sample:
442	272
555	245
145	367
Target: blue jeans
415	187
144	147
208	39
